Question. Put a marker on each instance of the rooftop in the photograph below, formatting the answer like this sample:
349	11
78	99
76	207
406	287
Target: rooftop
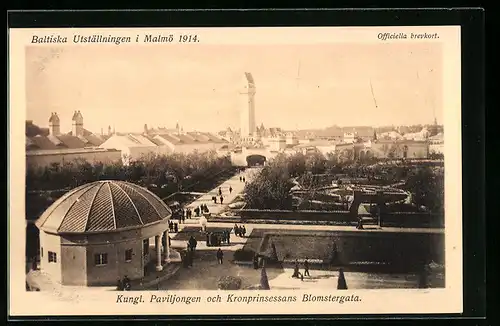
103	206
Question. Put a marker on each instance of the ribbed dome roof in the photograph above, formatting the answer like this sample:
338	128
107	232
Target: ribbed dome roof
103	206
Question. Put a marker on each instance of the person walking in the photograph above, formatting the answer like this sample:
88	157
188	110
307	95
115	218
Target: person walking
220	256
244	179
119	285
306	268
220	191
192	243
255	261
296	272
126	283
230	189
221	200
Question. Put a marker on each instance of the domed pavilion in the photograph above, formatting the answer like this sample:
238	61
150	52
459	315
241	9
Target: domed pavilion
99	232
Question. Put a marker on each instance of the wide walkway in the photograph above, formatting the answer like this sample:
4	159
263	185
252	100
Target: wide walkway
298	227
206	272
237	188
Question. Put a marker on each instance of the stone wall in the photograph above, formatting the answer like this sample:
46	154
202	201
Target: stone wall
339	216
413	220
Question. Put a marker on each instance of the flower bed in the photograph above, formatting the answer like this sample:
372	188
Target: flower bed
229	283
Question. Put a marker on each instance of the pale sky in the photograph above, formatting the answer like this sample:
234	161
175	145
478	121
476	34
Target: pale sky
198	86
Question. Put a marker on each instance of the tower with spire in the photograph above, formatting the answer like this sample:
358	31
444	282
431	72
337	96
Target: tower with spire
247	114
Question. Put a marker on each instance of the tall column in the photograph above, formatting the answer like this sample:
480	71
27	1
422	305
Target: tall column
159	266
167	247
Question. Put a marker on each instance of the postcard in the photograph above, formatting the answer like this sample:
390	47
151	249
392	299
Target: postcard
235	171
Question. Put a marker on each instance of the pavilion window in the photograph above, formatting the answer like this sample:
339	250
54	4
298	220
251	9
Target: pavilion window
128	255
101	259
52	257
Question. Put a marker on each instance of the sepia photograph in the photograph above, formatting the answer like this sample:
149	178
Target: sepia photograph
162	164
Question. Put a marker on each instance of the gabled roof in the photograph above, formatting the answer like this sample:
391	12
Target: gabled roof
43	142
155	141
214	138
141	140
169	138
72	141
131	141
91	138
198	136
187	139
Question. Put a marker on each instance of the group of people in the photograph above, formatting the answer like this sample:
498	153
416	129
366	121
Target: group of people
203	208
215	239
221	198
185	213
173	227
240	231
123	285
296	270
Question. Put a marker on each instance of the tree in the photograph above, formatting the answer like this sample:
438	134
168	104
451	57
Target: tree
315	163
297	164
427	187
271	188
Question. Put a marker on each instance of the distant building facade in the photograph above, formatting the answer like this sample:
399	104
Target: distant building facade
45	147
135	147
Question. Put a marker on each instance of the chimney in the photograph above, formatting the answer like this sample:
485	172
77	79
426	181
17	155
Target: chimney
77	124
102	131
54	125
109	130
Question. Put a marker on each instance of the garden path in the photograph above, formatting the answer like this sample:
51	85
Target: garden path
233	182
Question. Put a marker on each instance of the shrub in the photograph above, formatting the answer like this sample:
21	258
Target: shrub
229	283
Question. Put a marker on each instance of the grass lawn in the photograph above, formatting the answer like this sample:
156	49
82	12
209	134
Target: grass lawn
364	251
